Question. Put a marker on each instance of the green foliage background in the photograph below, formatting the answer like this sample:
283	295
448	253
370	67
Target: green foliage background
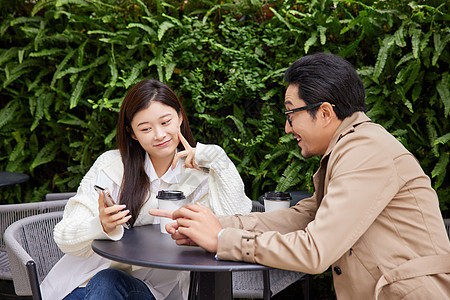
65	66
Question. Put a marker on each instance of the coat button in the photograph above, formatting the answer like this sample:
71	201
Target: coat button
337	270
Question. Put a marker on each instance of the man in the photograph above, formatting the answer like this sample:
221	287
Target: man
374	216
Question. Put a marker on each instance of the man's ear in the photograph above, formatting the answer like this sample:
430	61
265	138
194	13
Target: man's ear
327	112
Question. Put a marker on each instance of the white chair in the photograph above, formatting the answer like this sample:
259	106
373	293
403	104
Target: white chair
9	213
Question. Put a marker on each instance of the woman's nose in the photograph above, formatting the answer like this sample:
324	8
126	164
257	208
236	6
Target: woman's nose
160	133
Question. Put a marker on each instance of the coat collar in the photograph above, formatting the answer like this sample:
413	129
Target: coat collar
347	126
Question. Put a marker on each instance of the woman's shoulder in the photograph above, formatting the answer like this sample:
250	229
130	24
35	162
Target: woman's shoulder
108	158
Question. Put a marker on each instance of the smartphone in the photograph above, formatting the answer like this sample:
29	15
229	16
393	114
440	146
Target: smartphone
110	202
108	199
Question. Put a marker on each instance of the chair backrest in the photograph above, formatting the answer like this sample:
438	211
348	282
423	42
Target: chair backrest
30	244
58	196
9	213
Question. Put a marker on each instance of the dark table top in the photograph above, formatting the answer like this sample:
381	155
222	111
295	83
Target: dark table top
10	178
147	246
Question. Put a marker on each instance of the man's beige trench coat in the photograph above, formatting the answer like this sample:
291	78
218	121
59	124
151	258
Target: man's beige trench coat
373	217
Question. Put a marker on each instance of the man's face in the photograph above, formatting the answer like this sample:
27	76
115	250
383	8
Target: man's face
311	133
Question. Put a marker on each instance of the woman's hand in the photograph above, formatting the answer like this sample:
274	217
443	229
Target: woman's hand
113	216
188	152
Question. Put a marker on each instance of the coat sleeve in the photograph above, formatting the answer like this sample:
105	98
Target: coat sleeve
81	224
226	195
284	220
362	181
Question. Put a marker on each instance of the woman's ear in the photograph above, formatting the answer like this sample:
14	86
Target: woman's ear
180	117
130	131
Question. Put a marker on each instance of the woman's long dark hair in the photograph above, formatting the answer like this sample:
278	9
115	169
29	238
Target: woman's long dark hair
135	183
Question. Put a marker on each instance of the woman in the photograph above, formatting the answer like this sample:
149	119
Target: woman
151	124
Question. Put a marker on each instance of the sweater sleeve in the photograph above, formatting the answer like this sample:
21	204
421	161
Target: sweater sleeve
226	194
81	223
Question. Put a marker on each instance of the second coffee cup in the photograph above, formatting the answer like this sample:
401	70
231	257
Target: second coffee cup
169	200
276	200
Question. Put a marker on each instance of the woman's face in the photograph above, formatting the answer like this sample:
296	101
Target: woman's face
156	129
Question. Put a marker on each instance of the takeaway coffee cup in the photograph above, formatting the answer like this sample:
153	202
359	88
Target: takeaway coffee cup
276	200
169	200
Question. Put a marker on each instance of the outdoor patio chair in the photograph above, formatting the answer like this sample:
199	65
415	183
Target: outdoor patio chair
32	251
256	284
58	196
9	213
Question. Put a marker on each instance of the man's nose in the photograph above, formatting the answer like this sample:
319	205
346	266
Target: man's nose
287	127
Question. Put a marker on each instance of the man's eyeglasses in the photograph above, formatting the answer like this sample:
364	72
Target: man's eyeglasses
306	107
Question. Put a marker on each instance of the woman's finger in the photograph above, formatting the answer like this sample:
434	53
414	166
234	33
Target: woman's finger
101	200
177	157
183	141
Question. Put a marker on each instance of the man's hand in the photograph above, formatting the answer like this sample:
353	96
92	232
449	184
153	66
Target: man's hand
196	225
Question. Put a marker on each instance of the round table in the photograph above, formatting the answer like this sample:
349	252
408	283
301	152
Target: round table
146	246
10	178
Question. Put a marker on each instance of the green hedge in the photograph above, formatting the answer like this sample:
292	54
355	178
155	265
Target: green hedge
65	66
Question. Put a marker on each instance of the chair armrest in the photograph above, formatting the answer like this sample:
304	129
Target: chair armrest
18	260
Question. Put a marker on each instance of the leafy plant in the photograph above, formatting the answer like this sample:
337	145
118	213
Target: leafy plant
65	67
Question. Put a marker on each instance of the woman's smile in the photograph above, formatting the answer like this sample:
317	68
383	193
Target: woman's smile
163	144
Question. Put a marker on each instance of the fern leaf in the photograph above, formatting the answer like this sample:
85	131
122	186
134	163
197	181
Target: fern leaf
399	37
78	90
439	46
144	27
175	21
322	31
442	139
239	124
45	155
415	40
163	28
7	113
279	17
382	55
61	66
40	5
135	72
114	73
311	41
441	166
70	119
46	52
8	55
38	114
443	90
169	70
290	177
404	59
144	7
110	136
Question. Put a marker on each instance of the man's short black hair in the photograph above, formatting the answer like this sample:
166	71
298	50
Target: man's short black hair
324	77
